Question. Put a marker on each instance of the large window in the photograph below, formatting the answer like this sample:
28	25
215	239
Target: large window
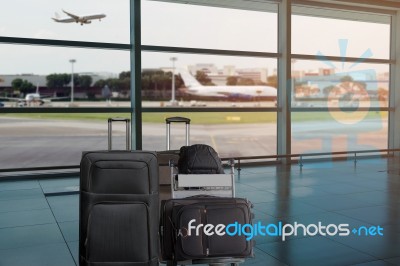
339	37
221	58
34	19
316	132
230	133
54	139
195	26
335	84
209	80
46	71
340	80
67	65
218	63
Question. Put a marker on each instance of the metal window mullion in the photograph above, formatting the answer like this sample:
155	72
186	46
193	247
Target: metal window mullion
208	109
374	8
341	109
284	80
64	110
136	68
394	93
346	59
63	43
185	50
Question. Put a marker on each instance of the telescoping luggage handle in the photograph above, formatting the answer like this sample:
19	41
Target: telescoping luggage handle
177	119
128	131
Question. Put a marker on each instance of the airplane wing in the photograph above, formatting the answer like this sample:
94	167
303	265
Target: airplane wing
65	20
14	99
201	92
55	98
71	15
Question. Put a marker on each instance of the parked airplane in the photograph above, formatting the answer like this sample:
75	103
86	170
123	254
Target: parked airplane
32	99
78	19
193	87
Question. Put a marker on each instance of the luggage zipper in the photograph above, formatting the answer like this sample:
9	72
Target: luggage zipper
206	249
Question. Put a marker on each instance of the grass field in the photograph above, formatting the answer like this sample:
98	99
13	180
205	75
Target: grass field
207	118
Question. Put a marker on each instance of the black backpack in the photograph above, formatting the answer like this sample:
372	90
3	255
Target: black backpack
199	159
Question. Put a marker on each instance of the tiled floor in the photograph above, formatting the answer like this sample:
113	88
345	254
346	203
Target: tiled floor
40	227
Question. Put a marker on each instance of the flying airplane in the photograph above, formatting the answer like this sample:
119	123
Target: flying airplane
78	19
193	87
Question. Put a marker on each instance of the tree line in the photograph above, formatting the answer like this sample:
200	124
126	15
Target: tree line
54	82
155	83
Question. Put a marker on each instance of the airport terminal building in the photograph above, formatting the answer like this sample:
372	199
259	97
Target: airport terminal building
302	95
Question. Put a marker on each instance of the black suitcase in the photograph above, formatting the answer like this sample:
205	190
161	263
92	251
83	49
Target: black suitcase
179	241
118	208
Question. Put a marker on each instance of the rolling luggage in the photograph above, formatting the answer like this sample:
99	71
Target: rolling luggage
203	198
118	207
186	235
167	156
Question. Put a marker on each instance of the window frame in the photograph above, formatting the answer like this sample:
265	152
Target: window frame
283	55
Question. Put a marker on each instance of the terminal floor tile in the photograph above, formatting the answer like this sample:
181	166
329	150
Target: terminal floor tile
39	217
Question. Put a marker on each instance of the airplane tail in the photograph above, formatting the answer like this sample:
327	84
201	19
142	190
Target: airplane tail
188	79
56	16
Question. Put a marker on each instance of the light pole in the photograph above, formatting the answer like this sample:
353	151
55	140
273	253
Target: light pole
173	101
72	61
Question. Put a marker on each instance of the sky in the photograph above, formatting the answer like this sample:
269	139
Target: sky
168	24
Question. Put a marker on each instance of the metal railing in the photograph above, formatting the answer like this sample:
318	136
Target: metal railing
300	156
238	159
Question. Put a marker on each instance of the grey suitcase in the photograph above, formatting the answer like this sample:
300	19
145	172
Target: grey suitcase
168	156
118	207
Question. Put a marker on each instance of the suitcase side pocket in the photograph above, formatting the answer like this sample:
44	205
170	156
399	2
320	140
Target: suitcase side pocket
226	245
199	245
118	232
193	245
119	177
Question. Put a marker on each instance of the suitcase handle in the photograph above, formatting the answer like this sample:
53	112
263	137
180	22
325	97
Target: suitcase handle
177	119
128	130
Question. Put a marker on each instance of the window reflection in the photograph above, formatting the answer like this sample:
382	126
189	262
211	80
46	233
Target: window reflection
314	35
339	131
353	85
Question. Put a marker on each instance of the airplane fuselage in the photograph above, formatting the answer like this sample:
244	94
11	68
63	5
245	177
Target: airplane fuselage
32	97
227	92
240	92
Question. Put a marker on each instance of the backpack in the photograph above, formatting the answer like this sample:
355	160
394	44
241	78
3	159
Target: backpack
199	159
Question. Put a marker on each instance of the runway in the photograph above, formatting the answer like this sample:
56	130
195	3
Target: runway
43	142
